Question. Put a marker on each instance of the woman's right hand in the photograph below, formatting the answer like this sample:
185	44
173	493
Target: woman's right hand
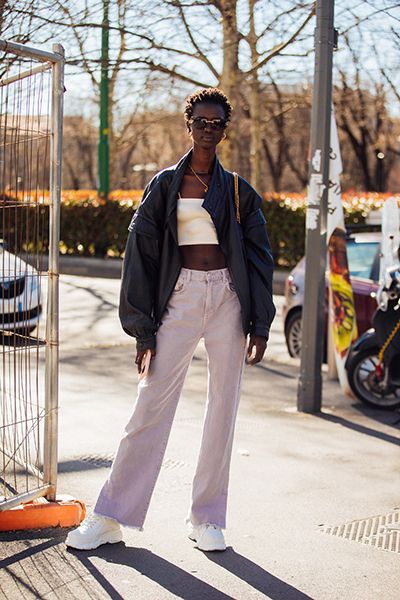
140	354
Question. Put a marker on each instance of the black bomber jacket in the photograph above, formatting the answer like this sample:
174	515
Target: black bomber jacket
152	259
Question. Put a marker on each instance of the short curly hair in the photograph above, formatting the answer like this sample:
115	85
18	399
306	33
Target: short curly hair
209	96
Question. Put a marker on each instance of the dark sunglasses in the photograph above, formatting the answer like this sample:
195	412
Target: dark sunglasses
201	123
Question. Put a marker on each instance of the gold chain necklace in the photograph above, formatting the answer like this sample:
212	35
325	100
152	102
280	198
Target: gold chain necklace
199	178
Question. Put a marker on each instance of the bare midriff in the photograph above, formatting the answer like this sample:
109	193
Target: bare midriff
202	257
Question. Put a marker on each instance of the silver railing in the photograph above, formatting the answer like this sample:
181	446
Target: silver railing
31	117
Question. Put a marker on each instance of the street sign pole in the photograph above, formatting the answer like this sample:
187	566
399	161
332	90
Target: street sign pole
103	150
310	381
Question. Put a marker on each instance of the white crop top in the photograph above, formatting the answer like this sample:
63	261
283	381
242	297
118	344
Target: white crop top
195	225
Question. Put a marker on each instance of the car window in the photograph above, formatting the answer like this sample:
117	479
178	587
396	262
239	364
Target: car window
362	257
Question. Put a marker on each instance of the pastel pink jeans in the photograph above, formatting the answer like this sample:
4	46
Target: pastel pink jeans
204	304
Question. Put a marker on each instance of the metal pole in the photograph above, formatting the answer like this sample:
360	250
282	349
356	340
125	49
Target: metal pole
104	151
28	73
39	492
310	381
51	368
28	51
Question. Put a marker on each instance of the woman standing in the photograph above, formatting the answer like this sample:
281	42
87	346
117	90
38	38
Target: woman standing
196	266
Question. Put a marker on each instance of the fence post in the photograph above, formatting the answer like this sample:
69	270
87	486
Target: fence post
52	336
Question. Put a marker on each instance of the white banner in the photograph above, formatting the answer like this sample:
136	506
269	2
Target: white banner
335	207
342	317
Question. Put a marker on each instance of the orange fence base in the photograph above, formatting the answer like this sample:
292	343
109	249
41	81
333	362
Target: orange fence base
66	511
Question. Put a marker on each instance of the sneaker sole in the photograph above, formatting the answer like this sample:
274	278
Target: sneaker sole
113	538
214	549
203	548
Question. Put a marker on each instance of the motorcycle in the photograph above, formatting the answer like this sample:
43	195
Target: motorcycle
373	364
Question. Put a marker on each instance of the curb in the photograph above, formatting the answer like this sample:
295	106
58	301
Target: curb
111	268
66	511
91	267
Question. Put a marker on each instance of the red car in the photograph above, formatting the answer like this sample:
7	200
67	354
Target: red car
363	252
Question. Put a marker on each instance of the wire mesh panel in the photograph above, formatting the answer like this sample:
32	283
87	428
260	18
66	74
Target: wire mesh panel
30	147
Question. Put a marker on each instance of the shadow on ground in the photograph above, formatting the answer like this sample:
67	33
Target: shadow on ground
41	565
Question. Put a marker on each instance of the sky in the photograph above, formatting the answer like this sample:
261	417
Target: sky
296	67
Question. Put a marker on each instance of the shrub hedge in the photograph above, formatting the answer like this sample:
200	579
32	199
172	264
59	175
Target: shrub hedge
286	227
93	228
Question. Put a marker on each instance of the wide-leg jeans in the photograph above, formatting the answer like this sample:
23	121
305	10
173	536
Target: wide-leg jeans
204	304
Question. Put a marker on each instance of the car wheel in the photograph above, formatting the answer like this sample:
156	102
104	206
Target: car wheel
293	334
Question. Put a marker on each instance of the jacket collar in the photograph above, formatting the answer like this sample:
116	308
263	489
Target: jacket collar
214	200
179	171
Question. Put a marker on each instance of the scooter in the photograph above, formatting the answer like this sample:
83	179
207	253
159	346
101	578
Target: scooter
373	364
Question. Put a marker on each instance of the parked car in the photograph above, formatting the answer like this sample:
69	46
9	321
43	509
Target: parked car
19	294
363	251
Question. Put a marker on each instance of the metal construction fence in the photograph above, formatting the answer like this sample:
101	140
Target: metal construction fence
31	112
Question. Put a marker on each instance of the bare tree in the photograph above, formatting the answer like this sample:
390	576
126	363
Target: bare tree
18	23
259	61
161	49
79	153
284	127
232	78
17	20
364	118
212	38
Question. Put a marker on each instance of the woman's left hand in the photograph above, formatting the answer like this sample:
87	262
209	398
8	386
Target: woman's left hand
260	344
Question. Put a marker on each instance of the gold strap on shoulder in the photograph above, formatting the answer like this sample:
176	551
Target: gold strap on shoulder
237	199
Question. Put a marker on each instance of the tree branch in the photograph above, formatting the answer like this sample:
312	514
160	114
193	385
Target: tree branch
275	51
195	45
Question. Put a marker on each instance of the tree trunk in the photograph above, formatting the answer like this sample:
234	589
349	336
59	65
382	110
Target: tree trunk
230	77
255	133
255	113
75	181
2	11
274	168
111	137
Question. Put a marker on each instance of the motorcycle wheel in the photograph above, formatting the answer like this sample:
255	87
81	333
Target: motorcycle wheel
366	386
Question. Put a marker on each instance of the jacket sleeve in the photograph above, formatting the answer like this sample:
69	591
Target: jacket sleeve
140	273
260	266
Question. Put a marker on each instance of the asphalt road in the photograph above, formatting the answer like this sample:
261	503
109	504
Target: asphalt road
89	317
309	494
91	336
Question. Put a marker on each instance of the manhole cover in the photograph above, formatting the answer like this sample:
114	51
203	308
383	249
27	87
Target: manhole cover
381	532
105	461
98	460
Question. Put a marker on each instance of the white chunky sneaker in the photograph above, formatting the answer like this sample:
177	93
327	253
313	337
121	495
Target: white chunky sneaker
208	537
94	531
